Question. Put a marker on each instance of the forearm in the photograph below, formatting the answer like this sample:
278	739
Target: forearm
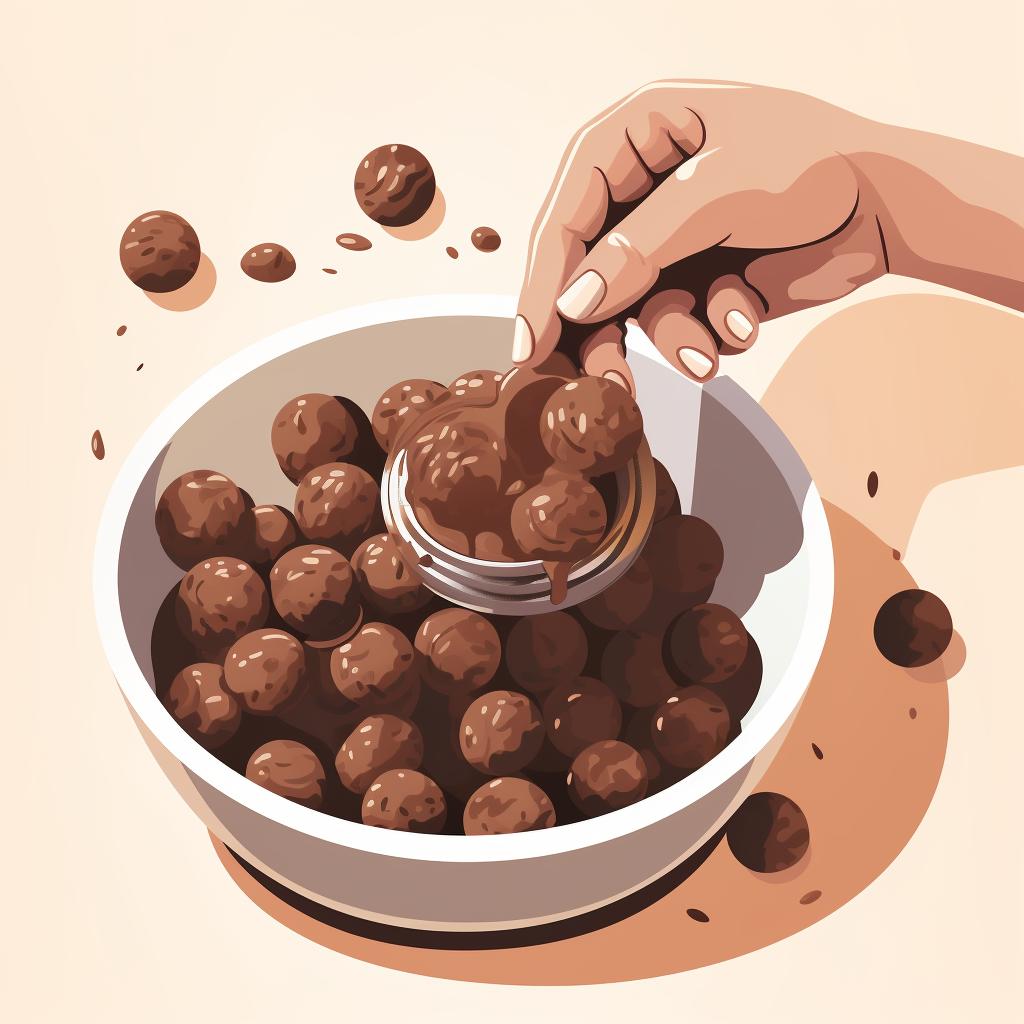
949	211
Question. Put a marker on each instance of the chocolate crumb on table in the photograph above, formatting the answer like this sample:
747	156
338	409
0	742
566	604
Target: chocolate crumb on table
354	242
97	445
329	270
872	484
486	239
121	330
810	897
817	751
697	915
452	251
139	367
913	713
268	262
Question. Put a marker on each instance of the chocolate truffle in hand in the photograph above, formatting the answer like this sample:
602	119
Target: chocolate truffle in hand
310	431
202	514
219	600
666	497
768	833
376	669
501	732
685	555
606	776
314	592
561	519
913	628
394	185
507	805
706	645
633	666
386	581
592	426
203	706
402	404
160	251
378	744
544	650
481	386
405	800
271	532
288	769
619	605
265	669
579	713
459	651
690	728
338	504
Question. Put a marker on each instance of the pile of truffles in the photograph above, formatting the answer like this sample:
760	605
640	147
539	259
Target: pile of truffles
303	651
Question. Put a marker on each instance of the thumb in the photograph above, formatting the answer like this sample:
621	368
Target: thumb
686	214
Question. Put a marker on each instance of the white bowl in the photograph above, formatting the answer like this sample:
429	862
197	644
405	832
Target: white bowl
731	464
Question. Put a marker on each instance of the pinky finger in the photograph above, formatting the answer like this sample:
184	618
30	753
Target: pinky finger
684	341
734	312
603	354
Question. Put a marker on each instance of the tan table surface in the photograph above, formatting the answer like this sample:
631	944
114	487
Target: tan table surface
249	119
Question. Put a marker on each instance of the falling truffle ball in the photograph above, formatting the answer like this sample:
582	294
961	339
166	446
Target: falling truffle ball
402	405
690	728
913	628
386	582
562	519
619	605
202	514
592	426
768	833
579	713
314	592
706	645
607	776
265	669
507	805
394	185
633	666
405	800
272	530
310	431
338	504
219	600
459	651
376	669
203	706
501	732
160	251
685	555
378	744
542	651
288	769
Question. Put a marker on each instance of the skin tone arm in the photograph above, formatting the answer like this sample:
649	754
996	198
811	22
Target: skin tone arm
704	209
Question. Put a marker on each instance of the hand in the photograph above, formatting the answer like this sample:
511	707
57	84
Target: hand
701	209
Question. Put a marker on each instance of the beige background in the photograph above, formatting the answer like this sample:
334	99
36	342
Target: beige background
248	119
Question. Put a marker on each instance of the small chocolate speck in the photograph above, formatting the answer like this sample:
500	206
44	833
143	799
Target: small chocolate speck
121	330
452	251
913	712
810	897
698	915
817	751
872	484
329	270
486	239
139	367
97	445
896	554
357	243
426	560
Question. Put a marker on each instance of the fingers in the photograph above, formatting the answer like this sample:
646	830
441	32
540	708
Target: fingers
603	354
684	341
734	312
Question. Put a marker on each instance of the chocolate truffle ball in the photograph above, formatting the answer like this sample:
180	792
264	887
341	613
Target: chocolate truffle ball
592	426
618	606
501	732
200	515
314	592
218	601
160	251
690	728
338	504
581	712
768	833
203	706
666	497
562	519
913	628
271	532
378	744
268	262
507	805
705	645
544	650
394	185
685	555
376	669
481	386
310	431
288	769
605	776
637	733
386	581
405	800
264	669
633	666
401	405
459	651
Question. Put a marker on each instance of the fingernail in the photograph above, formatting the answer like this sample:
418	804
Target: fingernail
696	362
617	378
738	324
522	341
582	296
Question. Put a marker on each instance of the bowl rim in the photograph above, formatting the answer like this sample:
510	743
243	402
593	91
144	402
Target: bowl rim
757	733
